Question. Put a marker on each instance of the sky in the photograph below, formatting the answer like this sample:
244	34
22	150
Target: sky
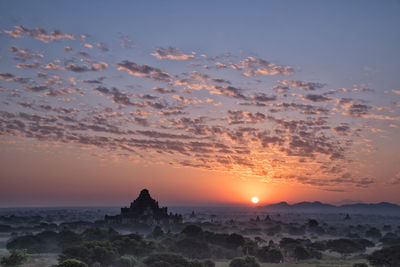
201	102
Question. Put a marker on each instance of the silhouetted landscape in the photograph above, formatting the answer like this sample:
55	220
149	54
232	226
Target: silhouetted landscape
145	234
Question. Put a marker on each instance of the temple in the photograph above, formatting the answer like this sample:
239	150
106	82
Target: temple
144	210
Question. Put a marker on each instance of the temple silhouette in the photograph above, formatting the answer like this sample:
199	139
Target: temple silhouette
144	210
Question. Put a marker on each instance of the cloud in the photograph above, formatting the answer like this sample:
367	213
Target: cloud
240	116
172	53
37	65
164	90
102	46
59	92
256	66
197	81
397	92
123	99
11	78
68	49
316	98
281	88
23	54
342	129
38	34
261	97
37	88
228	91
358	110
95	81
303	85
92	66
144	71
220	65
188	100
395	180
172	112
302	108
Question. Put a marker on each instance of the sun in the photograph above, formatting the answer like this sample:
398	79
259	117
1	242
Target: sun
254	200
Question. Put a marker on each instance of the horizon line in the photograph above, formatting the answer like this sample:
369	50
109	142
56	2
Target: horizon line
175	205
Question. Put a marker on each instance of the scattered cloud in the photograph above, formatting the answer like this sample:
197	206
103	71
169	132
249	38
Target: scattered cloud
256	66
172	53
38	34
209	119
144	71
303	85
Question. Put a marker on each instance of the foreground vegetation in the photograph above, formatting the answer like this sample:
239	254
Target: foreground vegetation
192	247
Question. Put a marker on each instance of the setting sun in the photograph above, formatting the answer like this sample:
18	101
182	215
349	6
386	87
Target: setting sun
254	200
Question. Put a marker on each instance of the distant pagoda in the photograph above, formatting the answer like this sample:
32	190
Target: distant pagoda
144	210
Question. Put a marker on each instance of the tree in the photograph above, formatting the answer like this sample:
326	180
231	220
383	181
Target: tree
208	263
373	233
67	239
16	258
192	248
386	257
235	240
345	246
301	253
312	223
44	242
72	263
165	259
193	231
270	255
125	261
157	232
132	245
248	261
91	252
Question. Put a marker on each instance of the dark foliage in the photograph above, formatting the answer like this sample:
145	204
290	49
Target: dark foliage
165	260
345	246
248	261
91	252
192	248
16	258
270	255
386	257
373	233
72	263
44	242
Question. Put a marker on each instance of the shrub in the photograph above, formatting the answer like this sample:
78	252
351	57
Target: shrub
270	255
193	231
165	259
72	263
192	248
389	256
248	261
301	253
16	258
125	261
345	246
208	263
373	233
235	240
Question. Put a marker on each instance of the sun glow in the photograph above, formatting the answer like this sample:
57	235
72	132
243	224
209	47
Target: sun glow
254	200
